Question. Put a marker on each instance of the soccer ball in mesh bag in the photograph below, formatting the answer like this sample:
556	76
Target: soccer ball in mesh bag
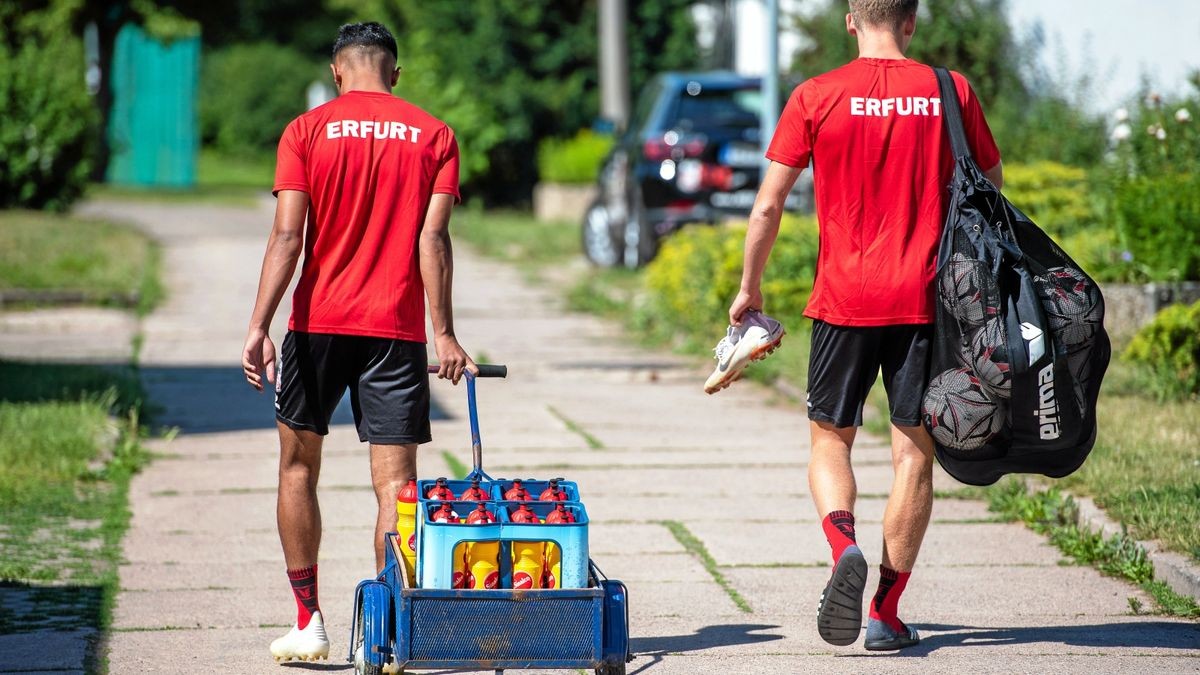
1072	306
968	290
959	413
989	358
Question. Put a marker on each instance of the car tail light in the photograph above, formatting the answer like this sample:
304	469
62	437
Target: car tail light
681	205
670	146
716	177
656	150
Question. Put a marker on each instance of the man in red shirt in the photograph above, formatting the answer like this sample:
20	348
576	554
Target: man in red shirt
365	185
881	163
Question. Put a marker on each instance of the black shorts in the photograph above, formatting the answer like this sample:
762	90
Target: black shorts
845	361
389	386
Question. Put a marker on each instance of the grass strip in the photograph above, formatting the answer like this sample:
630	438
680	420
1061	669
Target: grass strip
457	468
88	261
1056	515
693	545
574	427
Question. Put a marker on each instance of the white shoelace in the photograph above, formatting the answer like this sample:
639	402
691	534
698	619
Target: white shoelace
726	344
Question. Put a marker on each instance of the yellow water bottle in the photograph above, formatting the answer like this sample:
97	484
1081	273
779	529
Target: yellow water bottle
528	557
483	557
553	571
406	528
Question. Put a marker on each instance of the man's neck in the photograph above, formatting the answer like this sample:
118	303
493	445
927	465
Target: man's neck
364	84
879	45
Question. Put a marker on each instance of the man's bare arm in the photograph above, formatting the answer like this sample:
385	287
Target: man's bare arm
761	234
279	264
437	274
996	175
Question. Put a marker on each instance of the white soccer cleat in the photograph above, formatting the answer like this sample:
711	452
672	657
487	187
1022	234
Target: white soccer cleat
309	644
758	336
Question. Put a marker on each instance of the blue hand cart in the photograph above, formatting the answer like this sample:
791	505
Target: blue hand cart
396	626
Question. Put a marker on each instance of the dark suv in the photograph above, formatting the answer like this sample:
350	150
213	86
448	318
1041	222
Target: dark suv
691	154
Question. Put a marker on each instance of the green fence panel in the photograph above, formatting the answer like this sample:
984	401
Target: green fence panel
152	127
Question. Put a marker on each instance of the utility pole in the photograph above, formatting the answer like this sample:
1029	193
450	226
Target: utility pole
614	63
770	84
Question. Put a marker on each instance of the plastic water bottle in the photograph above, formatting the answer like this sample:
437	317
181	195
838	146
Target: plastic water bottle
552	576
528	560
406	526
553	493
440	491
474	493
458	578
483	557
517	493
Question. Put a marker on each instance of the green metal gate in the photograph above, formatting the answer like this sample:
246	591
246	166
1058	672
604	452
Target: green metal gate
152	126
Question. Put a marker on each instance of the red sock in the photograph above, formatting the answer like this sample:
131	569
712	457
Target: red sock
839	530
887	597
304	587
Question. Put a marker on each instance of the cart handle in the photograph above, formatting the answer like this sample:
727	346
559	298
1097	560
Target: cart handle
485	370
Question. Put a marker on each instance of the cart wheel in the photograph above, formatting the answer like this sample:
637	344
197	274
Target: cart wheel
609	669
370	654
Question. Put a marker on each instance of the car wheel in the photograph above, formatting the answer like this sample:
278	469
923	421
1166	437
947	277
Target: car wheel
640	240
600	243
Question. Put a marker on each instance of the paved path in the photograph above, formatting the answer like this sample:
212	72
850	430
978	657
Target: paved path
203	589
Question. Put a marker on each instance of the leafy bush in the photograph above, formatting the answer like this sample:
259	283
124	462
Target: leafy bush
1168	350
1159	221
573	160
249	93
1055	196
698	272
1154	188
47	120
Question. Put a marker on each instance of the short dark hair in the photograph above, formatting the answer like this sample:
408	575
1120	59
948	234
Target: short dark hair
369	35
882	13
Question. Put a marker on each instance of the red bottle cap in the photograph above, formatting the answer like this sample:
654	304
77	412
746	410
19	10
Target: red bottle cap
560	514
524	515
445	514
440	491
481	516
517	493
408	493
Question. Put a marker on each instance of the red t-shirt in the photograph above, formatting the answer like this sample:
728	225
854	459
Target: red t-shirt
370	163
881	164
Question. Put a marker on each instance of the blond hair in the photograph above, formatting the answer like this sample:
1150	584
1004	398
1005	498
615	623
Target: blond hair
882	13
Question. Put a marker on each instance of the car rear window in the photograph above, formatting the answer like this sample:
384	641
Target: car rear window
711	108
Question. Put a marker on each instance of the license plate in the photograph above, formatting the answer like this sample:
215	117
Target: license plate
740	155
742	199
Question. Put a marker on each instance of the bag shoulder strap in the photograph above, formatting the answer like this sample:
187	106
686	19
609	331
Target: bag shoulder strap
952	114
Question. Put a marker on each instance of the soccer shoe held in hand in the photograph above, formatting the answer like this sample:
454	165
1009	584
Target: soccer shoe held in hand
758	336
309	644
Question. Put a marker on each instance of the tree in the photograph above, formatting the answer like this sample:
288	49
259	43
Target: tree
1032	116
507	73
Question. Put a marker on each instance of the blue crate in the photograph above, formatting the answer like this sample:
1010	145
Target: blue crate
436	541
572	538
500	629
534	487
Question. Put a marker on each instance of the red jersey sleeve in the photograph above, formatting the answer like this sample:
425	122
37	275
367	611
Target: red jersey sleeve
446	180
794	135
979	135
290	166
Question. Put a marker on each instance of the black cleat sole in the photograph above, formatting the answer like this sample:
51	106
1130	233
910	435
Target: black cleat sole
839	615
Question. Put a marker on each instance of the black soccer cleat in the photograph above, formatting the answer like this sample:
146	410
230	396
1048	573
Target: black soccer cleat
839	614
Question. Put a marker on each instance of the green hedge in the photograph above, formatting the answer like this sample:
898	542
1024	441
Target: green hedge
573	160
698	272
249	93
1168	350
1159	221
48	123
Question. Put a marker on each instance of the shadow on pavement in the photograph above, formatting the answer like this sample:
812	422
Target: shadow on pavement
655	648
1138	635
210	399
49	628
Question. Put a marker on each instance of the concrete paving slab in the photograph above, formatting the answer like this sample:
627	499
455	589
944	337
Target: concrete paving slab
953	593
68	335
